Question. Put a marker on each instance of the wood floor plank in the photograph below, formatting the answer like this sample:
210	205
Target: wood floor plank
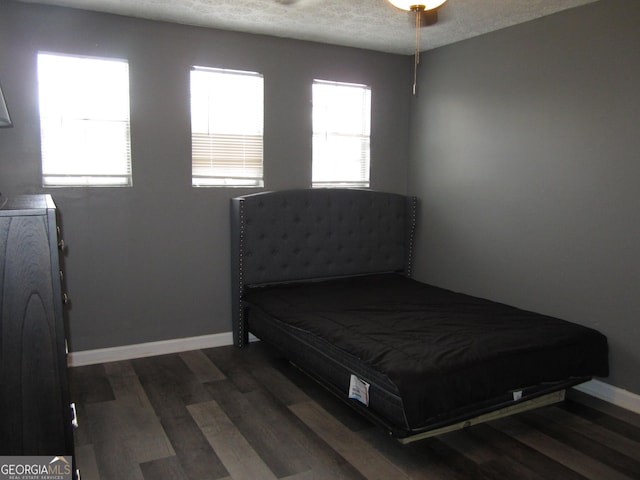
126	385
171	387
234	403
85	456
308	475
122	438
362	456
492	460
201	366
598	434
237	455
626	416
588	445
124	428
565	454
115	462
455	464
271	378
196	456
301	450
280	439
168	468
595	413
324	473
89	384
232	363
171	374
507	469
274	436
328	401
137	429
415	461
525	455
129	418
469	446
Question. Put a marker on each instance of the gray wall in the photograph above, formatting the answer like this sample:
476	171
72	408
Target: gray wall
526	155
151	262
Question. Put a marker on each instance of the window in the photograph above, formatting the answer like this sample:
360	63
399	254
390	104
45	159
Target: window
84	121
341	132
227	117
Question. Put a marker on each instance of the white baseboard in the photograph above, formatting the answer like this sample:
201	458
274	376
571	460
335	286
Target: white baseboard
604	391
140	350
617	396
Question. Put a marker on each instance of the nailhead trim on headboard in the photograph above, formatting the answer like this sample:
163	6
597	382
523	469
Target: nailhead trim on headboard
241	332
413	212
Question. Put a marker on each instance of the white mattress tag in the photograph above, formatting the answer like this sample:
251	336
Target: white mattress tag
517	395
359	390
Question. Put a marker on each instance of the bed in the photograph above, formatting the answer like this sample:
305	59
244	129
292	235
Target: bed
324	275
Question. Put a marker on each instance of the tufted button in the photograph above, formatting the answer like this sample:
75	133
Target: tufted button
356	230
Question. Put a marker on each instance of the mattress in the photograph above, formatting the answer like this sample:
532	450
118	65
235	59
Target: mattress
428	351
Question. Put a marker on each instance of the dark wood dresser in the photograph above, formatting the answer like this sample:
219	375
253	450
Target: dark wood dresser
36	415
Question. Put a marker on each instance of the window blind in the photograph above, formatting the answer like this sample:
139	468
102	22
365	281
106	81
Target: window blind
227	117
341	134
84	121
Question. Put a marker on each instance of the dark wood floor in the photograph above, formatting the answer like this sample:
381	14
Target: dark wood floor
226	413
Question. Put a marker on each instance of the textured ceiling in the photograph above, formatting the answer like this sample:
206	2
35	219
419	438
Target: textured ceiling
371	24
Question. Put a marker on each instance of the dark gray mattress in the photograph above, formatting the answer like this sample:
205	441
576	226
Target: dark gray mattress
430	354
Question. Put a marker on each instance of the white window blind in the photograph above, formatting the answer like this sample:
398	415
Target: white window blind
227	118
84	121
341	134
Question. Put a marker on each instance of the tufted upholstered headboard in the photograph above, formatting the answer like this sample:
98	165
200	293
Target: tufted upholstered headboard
295	235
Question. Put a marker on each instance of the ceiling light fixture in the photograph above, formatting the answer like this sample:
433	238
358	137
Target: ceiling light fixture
419	9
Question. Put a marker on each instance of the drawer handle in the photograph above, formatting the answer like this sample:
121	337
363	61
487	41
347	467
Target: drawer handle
62	246
65	299
74	416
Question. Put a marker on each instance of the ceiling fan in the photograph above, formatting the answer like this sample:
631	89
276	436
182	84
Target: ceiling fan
426	13
425	10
